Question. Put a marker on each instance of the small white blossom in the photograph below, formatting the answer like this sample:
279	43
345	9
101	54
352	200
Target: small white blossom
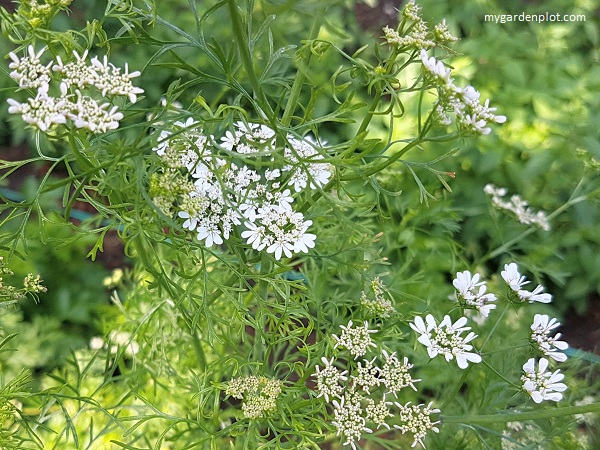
540	334
42	111
259	394
210	233
471	293
357	340
519	207
349	420
540	384
76	73
435	68
516	281
472	116
378	412
394	374
417	421
304	171
513	278
366	377
445	339
87	113
110	80
285	231
537	295
329	380
29	72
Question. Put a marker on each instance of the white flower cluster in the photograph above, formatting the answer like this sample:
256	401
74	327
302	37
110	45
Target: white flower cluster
445	339
358	394
116	340
356	340
416	420
413	33
471	293
516	281
78	82
213	194
517	206
541	384
380	306
472	117
259	394
550	346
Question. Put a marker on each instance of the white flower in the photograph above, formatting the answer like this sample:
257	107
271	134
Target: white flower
110	80
304	241
513	278
76	73
518	207
535	296
259	394
329	380
416	420
367	376
42	111
394	374
28	71
280	246
349	420
445	339
434	67
87	113
229	141
378	412
357	340
471	293
210	233
542	385
550	346
284	230
304	171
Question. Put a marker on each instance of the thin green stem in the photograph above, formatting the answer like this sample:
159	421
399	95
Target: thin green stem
292	102
522	416
498	320
259	351
83	161
244	49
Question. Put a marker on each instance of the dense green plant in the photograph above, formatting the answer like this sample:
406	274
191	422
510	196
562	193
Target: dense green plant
287	207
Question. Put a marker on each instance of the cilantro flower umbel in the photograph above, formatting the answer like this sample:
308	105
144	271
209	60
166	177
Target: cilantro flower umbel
540	384
29	72
329	380
415	419
472	293
357	340
540	335
516	281
349	419
445	339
